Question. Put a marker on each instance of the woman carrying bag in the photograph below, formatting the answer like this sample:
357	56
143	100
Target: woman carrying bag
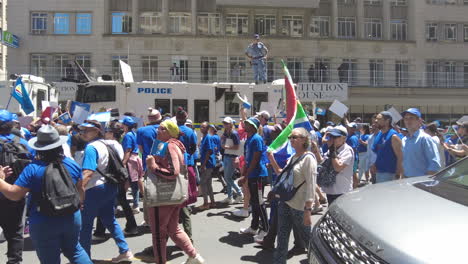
297	208
167	164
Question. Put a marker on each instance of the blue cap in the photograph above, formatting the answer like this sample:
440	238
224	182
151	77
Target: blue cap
128	121
330	123
15	117
336	132
253	121
256	36
413	111
5	116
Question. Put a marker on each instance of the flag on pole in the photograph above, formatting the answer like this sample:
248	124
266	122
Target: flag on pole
297	119
21	95
290	94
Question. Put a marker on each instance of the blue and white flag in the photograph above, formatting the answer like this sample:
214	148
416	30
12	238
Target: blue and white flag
21	95
320	111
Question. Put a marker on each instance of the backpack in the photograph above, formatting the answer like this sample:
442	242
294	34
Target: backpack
58	196
15	155
116	171
283	188
326	174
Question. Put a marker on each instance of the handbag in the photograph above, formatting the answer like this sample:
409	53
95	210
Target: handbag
160	191
283	189
326	174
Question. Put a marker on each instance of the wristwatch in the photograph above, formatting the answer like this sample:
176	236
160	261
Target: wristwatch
308	209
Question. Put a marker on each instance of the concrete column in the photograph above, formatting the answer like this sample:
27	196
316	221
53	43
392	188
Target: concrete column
307	19
386	19
222	22
334	18
360	19
279	22
135	17
165	16
107	18
194	17
411	27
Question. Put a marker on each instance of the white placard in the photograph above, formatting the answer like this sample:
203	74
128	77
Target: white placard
80	114
126	72
338	108
462	119
322	92
396	116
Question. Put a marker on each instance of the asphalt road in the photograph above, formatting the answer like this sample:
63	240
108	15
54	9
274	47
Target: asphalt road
215	234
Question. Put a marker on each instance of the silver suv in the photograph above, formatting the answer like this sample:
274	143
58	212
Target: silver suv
415	220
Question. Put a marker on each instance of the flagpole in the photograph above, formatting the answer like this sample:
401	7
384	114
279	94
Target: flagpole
11	95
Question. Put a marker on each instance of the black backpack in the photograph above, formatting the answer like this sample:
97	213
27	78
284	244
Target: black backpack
58	196
15	155
116	172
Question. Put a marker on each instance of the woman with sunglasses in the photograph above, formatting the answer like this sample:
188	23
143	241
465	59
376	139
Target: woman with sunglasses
164	220
296	212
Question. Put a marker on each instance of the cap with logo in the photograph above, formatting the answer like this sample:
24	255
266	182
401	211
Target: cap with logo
413	111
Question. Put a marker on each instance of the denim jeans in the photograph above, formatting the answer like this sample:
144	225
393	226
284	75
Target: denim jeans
287	218
228	164
135	194
99	202
50	238
384	177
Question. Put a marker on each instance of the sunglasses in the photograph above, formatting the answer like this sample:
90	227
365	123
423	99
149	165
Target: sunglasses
295	137
162	128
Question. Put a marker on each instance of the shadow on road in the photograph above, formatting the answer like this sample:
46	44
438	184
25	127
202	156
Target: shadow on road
228	215
262	257
236	239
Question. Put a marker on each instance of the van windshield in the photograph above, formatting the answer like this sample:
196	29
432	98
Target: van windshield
450	183
98	93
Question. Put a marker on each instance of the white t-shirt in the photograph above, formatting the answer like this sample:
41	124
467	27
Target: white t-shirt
344	179
441	150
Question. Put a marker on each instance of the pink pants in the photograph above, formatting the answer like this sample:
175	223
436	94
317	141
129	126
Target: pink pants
164	221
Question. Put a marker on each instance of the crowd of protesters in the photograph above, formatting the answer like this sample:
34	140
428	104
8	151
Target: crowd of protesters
355	153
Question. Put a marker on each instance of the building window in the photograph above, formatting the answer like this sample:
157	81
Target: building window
322	69
163	105
346	27
401	73
373	28
432	73
320	26
258	99
61	23
237	67
180	23
465	33
85	62
209	69
83	23
265	25
372	2
150	22
270	69
346	2
398	2
295	68
450	73
38	64
202	110
398	29
347	71
465	74
293	26
176	103
62	66
376	72
38	23
431	31
209	24
149	67
121	23
237	24
116	73
450	31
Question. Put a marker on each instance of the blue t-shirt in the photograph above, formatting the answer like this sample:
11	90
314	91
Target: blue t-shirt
208	143
267	134
27	134
145	137
130	142
362	147
386	160
90	158
319	137
255	144
189	139
31	178
217	142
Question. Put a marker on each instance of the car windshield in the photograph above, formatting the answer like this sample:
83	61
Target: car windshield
450	183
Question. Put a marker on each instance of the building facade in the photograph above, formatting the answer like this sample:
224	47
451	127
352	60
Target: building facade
3	48
390	52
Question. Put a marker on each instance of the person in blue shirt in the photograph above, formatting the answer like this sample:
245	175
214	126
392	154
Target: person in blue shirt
12	222
353	141
420	153
387	145
147	134
362	151
132	160
50	235
208	162
218	151
100	195
255	173
257	53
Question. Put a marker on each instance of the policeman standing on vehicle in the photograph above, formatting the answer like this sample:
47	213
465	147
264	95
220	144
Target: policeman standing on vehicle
257	53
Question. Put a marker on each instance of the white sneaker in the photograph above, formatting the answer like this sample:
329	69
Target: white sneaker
239	199
228	200
136	210
249	231
124	257
259	238
196	260
241	213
